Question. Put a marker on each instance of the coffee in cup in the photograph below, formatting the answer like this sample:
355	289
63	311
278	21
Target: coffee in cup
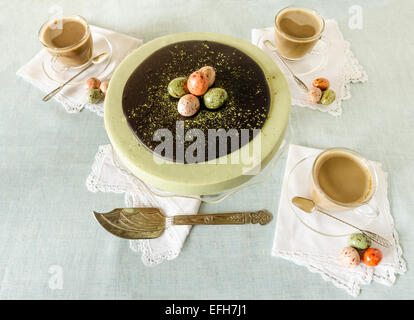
297	30
342	179
68	39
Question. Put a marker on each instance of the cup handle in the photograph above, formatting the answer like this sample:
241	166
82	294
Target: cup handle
55	58
325	45
368	210
269	45
58	67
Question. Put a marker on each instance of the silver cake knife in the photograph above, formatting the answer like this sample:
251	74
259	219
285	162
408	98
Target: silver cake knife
149	223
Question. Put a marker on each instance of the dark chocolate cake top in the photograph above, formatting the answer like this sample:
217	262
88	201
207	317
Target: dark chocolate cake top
148	107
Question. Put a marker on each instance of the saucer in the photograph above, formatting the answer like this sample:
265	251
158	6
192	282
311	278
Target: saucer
310	63
298	184
60	73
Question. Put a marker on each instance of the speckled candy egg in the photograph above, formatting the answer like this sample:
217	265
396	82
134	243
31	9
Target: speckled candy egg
328	96
372	257
92	83
94	96
188	105
197	83
359	241
314	95
215	98
321	83
178	87
350	257
104	86
209	73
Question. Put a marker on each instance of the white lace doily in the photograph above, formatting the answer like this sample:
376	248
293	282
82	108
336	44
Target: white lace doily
320	254
341	68
108	175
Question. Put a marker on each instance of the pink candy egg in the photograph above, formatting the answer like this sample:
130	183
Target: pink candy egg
104	86
188	105
209	73
350	257
314	95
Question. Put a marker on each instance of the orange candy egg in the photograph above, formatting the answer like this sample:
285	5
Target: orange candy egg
321	83
372	257
197	83
92	83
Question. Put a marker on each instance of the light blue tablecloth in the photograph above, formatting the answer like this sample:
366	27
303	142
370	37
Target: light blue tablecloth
46	225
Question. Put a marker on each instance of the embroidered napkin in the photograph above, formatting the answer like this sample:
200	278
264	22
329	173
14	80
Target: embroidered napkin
109	175
340	67
295	241
72	97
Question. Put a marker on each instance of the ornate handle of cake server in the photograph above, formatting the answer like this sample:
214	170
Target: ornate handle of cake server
262	217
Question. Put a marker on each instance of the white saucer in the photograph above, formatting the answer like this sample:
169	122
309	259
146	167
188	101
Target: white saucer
298	184
311	63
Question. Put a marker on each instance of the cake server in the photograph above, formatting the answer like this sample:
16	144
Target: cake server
309	206
149	223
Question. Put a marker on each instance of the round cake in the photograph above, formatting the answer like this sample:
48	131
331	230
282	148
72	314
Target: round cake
148	107
212	150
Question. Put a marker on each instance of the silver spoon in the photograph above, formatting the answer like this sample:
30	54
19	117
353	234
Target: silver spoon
298	81
95	60
309	206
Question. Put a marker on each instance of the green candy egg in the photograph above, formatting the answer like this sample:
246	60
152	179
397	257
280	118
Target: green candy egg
178	87
215	98
94	96
359	241
328	97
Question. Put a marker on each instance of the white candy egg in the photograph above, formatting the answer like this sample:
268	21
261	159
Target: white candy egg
188	105
350	257
209	73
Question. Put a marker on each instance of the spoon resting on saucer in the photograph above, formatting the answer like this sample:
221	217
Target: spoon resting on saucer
271	46
95	60
309	206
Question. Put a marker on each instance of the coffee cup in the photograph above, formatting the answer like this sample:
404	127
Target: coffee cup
342	179
68	39
296	32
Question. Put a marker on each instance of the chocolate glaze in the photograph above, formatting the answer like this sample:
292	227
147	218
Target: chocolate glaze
148	107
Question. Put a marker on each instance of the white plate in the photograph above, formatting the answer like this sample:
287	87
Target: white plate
311	63
298	184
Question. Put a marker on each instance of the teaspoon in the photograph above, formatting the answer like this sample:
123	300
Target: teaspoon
298	81
95	60
309	206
